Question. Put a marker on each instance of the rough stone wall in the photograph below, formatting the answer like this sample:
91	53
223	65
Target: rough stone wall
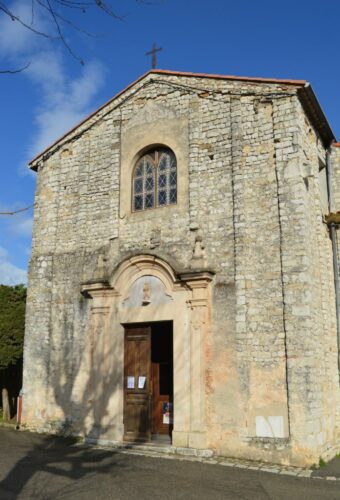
258	332
245	145
335	159
309	294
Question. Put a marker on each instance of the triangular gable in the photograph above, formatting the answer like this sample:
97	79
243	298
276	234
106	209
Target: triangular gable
306	95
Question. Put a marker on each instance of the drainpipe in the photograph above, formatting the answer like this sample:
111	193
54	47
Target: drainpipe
334	248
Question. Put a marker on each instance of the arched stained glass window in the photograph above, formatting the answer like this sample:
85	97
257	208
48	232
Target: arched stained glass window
155	180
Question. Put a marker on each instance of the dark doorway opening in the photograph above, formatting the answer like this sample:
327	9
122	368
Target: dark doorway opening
162	379
148	381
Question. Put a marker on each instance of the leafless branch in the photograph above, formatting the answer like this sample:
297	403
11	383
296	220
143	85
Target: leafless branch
13	17
57	13
61	35
32	12
13	71
150	2
67	21
107	9
75	5
17	211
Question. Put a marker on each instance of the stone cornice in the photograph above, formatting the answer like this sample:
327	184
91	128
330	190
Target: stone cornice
97	289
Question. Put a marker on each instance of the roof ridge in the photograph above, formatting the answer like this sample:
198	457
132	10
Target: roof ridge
229	77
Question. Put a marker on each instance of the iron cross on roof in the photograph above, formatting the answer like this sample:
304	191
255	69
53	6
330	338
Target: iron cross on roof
152	53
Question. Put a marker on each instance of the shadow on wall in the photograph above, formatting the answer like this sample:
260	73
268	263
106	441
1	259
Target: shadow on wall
11	379
83	408
83	402
90	402
84	379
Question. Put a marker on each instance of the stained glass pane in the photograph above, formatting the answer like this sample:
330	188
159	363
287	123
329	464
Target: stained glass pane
149	184
149	201
138	186
163	163
173	195
162	180
161	197
138	202
173	178
139	170
149	168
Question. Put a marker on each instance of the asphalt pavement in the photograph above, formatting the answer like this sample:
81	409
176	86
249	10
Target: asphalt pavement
34	466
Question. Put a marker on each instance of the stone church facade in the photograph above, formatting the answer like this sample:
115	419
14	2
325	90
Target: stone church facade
181	282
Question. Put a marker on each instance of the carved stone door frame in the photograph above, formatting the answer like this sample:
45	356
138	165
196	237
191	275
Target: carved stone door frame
183	298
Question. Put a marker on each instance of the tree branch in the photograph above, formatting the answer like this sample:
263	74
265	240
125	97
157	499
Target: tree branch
17	211
14	71
10	14
61	35
67	21
57	14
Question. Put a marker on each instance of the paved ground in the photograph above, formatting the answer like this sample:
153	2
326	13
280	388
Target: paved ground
43	467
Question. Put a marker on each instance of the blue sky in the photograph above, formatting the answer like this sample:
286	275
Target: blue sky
288	39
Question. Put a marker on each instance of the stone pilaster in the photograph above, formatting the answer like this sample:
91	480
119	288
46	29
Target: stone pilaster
99	356
200	308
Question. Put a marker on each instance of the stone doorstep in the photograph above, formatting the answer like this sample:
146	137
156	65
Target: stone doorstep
9	425
156	450
155	447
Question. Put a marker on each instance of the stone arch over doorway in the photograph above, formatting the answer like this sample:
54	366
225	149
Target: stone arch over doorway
144	289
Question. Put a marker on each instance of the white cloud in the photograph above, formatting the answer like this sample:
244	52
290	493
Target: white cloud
15	231
3	253
16	39
63	100
21	225
9	273
27	251
18	225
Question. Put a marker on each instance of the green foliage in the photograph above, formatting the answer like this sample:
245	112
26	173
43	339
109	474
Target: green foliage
322	463
12	323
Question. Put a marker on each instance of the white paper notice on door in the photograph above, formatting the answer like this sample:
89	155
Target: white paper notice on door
141	382
131	382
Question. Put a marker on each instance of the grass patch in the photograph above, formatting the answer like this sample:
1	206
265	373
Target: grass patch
320	465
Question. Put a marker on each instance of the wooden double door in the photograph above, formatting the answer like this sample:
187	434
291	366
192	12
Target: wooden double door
148	381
